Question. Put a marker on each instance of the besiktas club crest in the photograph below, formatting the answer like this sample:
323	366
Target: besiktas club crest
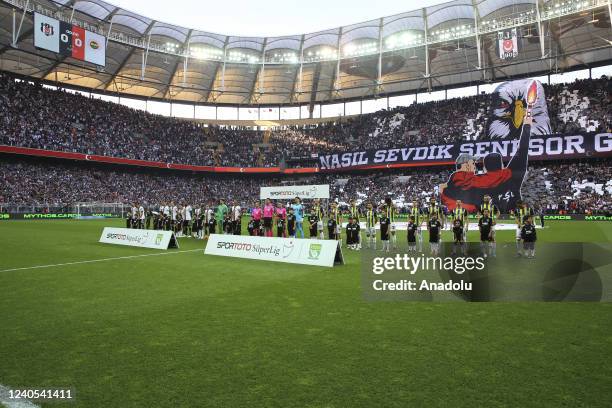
47	29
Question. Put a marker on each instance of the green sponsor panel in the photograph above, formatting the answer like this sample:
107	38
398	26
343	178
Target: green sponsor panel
560	217
598	217
55	216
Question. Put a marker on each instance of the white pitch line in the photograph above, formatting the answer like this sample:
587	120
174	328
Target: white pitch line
14	403
98	260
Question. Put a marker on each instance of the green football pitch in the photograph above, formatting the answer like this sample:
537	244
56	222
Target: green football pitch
145	328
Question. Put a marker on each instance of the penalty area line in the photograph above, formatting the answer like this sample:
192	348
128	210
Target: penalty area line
98	260
8	402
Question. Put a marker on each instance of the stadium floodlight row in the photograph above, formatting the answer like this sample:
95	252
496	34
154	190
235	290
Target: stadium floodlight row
438	47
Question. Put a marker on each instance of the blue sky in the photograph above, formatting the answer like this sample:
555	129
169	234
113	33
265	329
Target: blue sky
267	17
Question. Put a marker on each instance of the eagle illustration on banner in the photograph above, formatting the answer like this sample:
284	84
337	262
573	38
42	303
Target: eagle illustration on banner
507	111
519	111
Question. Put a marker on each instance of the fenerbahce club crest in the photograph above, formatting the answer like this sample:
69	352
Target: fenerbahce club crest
314	251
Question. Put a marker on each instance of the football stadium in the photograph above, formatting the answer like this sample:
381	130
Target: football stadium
409	211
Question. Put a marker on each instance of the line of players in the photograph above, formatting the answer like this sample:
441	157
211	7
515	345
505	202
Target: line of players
287	221
487	215
187	221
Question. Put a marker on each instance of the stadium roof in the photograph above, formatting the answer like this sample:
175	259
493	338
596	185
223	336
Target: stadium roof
434	47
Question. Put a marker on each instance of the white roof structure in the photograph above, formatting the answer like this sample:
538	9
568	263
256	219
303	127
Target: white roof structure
437	47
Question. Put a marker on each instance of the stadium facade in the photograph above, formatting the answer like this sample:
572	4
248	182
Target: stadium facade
423	52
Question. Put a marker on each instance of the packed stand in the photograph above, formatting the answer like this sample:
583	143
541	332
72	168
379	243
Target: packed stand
39	117
574	188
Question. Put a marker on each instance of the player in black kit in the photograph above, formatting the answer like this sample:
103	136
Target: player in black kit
212	224
458	235
413	231
434	226
352	234
228	225
291	223
331	228
313	219
485	225
529	237
251	227
385	225
280	227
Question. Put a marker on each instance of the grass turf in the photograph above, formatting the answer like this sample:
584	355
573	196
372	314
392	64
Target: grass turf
185	329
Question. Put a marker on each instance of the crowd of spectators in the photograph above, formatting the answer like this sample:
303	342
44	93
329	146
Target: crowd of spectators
576	187
38	117
573	188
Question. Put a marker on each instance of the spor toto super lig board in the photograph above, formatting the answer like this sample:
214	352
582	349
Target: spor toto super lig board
69	40
289	250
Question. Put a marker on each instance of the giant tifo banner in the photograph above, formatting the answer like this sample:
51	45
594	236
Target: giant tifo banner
290	192
544	147
290	250
518	131
69	40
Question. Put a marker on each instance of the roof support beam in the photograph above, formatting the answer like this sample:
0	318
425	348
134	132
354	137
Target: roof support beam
314	88
53	67
185	47
540	32
113	76
426	36
610	12
17	31
297	86
21	37
145	57
259	73
476	28
380	54
334	88
213	78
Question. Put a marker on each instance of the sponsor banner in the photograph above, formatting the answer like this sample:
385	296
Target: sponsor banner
290	192
578	217
290	250
596	217
544	147
139	238
69	40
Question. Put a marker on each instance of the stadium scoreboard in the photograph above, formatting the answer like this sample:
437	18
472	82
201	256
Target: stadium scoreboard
69	40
